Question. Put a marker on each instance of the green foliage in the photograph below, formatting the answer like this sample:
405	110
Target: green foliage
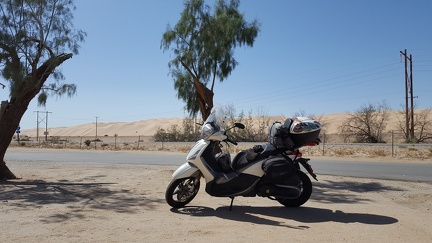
175	134
190	130
35	37
255	128
159	135
203	43
247	134
411	140
87	142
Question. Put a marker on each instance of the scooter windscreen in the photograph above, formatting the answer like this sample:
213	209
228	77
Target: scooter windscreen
210	126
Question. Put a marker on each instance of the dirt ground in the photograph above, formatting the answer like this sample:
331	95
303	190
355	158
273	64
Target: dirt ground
58	202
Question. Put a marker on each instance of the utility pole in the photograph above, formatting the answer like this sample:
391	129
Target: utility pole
96	139
409	93
40	119
96	126
411	96
46	126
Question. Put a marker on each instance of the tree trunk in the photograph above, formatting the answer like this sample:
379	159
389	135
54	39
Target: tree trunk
10	118
12	112
204	97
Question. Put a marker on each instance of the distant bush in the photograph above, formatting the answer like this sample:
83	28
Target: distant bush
190	132
87	142
187	133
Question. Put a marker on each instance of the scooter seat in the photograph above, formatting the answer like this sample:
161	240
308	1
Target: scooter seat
239	160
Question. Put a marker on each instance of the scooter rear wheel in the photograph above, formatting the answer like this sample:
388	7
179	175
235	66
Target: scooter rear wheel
181	191
306	192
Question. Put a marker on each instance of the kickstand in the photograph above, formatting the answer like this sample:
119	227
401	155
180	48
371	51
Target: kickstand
232	200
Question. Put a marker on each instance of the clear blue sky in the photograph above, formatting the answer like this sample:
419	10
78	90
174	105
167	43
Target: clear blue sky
317	56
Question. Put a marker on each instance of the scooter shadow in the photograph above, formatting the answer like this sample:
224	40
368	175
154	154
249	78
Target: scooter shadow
276	216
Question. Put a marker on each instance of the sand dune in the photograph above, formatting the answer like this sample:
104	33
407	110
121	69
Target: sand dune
149	127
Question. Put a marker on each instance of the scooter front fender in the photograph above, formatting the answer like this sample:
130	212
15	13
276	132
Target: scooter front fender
186	170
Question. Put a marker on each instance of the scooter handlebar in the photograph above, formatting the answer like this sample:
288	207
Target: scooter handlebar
231	141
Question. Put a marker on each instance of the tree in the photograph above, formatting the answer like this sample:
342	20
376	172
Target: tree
36	37
422	126
256	127
367	124
160	135
190	130
203	44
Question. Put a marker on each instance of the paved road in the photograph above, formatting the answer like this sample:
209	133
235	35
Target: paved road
382	170
96	156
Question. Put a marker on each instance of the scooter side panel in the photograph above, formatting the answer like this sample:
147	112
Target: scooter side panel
254	169
195	157
197	150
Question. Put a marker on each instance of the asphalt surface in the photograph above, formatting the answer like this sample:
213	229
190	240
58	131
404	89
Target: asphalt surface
409	171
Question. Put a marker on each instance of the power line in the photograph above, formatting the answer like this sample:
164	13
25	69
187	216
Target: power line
328	84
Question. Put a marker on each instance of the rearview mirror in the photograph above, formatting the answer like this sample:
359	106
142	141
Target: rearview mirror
239	125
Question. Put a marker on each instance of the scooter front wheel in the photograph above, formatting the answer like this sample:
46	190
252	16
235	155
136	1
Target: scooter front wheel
181	191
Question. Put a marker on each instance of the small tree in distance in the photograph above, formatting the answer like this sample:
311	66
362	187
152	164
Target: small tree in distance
367	124
422	126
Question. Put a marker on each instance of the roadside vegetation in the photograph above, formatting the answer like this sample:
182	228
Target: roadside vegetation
350	143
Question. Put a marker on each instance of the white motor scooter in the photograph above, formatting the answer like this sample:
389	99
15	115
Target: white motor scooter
271	170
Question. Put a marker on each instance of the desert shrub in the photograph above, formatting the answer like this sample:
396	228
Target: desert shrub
87	142
411	140
176	134
159	135
367	124
344	152
379	152
189	132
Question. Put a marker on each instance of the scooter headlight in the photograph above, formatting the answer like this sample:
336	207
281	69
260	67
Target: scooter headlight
206	131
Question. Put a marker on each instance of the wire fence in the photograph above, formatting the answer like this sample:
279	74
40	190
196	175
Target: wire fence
388	138
331	145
